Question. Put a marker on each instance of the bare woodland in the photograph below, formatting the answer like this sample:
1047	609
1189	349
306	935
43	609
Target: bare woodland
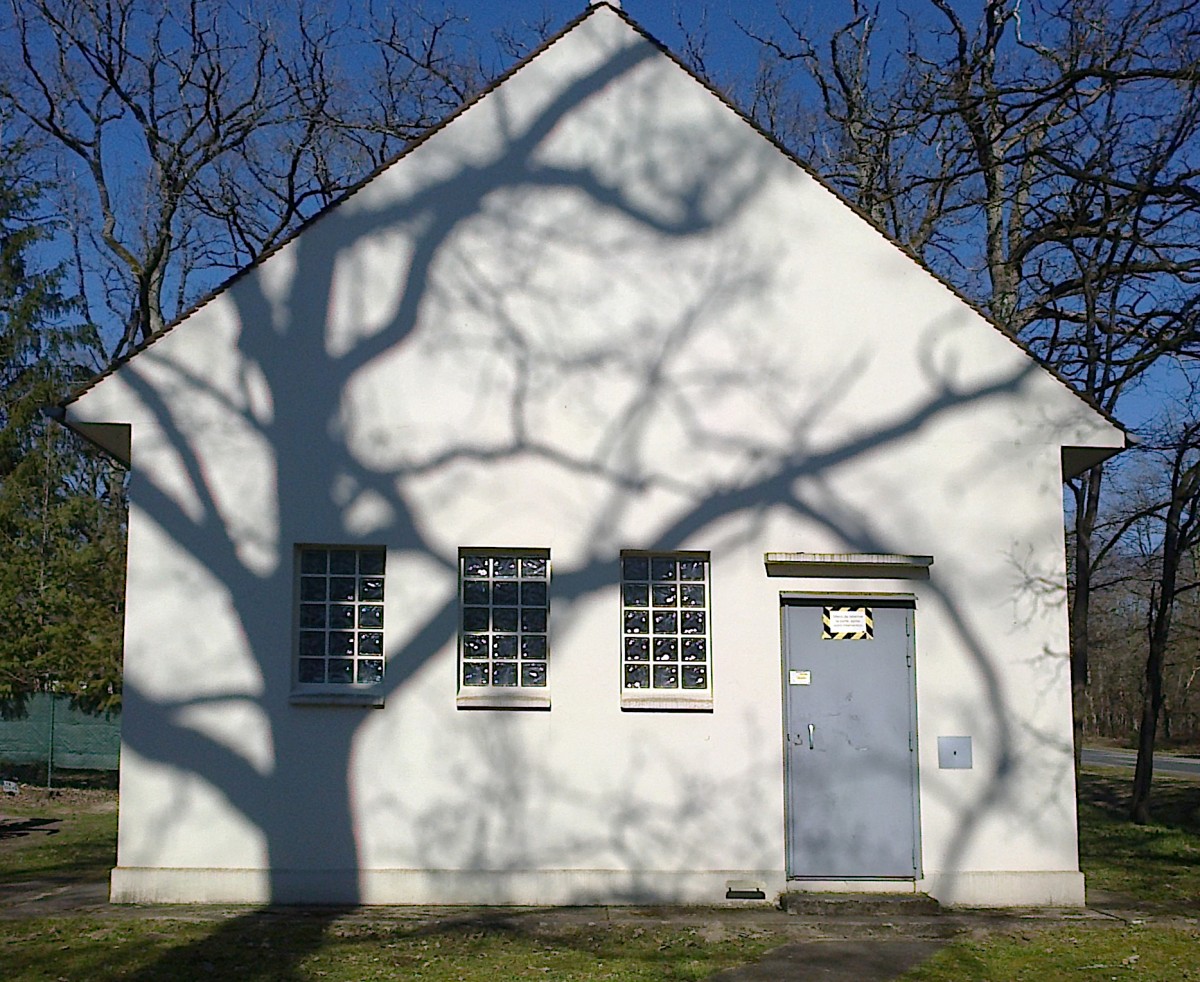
1042	157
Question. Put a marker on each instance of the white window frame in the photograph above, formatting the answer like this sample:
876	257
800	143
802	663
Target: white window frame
317	599
525	657
656	633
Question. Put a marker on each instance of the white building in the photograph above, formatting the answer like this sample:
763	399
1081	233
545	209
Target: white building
593	508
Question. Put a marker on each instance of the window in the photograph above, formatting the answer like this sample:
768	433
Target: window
665	645
504	636
340	621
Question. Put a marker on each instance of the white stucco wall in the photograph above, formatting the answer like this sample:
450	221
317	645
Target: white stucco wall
594	312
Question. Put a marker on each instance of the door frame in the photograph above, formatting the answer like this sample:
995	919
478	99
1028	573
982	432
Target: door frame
800	598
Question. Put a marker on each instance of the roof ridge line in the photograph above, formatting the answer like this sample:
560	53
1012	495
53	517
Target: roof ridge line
226	284
617	10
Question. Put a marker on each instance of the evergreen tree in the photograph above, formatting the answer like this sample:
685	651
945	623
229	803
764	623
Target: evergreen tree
61	504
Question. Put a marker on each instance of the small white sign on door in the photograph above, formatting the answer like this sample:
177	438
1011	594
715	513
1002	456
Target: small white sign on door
799	678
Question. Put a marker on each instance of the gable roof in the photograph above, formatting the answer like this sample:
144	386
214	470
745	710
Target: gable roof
593	10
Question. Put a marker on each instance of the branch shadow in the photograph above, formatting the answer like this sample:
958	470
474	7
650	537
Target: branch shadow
508	259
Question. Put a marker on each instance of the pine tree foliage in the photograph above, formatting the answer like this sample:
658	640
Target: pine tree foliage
61	504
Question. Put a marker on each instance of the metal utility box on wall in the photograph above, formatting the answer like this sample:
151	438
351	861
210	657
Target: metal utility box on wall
954	752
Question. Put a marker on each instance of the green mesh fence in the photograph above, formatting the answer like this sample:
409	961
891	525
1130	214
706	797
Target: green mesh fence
54	735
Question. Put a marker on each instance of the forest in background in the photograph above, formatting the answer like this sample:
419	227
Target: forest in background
1042	157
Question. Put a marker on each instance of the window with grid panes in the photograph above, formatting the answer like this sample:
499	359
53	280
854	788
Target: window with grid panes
504	636
665	639
340	630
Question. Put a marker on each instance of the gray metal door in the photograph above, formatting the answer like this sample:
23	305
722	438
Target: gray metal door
849	713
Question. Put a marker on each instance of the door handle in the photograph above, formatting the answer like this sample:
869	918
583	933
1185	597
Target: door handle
811	728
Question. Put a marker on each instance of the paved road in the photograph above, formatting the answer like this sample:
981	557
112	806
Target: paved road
1163	763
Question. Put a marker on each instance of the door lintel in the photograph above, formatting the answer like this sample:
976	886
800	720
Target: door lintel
849	565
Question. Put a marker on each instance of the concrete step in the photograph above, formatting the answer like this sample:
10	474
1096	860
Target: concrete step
855	905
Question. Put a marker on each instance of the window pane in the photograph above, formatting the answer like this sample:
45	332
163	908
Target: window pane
662	569
475	618
533	619
635	568
637	676
313	561
370	562
637	622
504	673
476	592
636	594
342	587
312	643
311	670
341	615
637	649
664	594
505	593
341	670
666	649
533	567
475	673
312	615
666	677
505	603
313	588
533	673
475	645
533	594
666	622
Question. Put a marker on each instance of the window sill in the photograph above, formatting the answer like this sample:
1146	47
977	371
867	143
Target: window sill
364	698
648	699
515	698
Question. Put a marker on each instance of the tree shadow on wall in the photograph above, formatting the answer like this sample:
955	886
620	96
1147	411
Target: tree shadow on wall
587	374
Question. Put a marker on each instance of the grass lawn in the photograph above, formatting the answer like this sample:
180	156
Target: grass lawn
1156	866
1147	953
271	946
70	837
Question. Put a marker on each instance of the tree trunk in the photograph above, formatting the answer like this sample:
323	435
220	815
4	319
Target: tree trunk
1087	494
1143	775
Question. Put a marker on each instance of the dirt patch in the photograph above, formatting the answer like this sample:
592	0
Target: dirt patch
31	798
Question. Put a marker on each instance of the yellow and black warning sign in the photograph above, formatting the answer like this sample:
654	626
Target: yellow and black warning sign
847	624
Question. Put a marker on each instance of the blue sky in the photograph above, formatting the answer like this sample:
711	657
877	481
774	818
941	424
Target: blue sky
731	52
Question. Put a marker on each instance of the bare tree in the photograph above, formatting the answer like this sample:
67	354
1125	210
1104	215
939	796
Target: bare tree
192	137
1168	523
1044	159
